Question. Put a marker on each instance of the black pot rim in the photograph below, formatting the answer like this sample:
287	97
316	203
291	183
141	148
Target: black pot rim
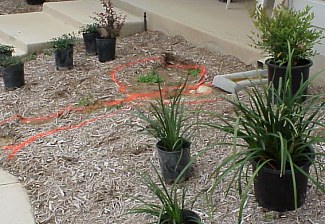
13	65
63	49
107	38
35	2
276	171
308	64
188	211
186	144
88	32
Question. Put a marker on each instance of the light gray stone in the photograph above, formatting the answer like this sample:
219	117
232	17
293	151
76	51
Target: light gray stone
204	89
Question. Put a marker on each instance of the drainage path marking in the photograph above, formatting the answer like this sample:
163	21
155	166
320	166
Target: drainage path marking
121	88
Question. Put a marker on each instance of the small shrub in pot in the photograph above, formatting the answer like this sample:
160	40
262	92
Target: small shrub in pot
6	50
89	34
12	69
63	51
110	24
286	29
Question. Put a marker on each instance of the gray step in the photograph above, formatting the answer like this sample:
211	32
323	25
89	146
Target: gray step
208	24
30	32
17	51
79	13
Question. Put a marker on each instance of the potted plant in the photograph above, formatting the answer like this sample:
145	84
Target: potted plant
286	28
13	72
63	51
171	209
167	122
110	24
6	50
35	2
89	34
277	141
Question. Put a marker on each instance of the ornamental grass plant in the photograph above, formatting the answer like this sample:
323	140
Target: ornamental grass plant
168	121
171	206
274	135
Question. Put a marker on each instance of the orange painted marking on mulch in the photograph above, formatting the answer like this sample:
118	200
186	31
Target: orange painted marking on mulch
121	88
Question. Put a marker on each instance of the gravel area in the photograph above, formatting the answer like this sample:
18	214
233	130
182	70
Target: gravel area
83	166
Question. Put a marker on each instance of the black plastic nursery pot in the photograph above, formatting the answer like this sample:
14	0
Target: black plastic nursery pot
299	73
173	162
64	58
90	43
275	192
13	76
187	217
106	49
35	2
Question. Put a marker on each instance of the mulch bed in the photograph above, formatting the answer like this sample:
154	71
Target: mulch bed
83	166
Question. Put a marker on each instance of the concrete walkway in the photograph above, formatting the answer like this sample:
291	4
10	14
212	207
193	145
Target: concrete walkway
15	207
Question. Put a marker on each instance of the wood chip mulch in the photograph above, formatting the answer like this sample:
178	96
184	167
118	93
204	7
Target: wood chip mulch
88	173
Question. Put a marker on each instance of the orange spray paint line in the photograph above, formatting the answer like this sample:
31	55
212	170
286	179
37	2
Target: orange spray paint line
121	88
15	148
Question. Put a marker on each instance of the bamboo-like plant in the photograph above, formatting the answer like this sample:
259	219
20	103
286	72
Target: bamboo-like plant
276	135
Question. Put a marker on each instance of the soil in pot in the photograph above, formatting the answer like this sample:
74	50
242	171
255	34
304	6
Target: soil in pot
90	43
276	193
64	59
13	76
173	162
299	73
35	2
106	49
187	217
